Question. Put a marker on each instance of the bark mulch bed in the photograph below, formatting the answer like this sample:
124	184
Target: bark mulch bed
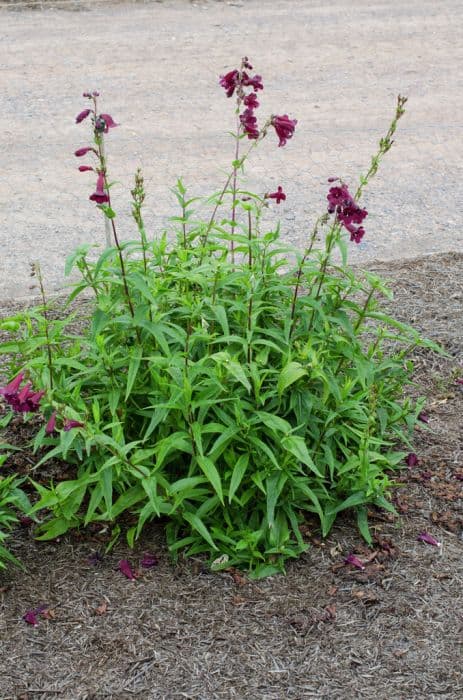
326	630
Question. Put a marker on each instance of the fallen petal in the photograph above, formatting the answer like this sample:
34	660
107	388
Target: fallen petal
126	569
412	460
31	618
149	560
354	561
423	417
429	539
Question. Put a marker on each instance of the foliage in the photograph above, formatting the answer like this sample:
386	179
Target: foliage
12	499
221	380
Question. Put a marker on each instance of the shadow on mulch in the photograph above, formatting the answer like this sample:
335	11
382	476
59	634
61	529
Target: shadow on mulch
326	630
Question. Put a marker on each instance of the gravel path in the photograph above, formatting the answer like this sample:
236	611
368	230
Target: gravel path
337	67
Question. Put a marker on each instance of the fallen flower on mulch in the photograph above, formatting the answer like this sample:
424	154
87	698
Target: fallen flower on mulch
412	460
31	616
126	569
354	561
149	560
429	539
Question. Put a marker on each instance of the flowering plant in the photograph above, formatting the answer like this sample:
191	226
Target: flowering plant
224	381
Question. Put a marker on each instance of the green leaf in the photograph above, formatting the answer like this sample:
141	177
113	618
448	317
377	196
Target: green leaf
198	525
211	473
362	524
290	374
296	445
134	366
239	471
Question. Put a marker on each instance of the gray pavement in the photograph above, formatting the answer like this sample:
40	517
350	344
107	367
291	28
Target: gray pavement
335	66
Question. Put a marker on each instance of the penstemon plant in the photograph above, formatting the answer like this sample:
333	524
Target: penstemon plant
218	379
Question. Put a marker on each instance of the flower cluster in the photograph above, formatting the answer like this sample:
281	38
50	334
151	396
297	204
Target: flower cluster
101	124
279	195
21	399
235	82
348	213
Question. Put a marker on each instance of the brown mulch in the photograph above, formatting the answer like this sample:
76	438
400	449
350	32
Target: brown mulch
326	630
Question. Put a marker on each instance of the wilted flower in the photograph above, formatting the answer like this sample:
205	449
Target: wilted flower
412	460
31	618
104	122
279	195
100	196
82	115
423	417
249	123
126	569
354	561
69	424
429	539
83	151
284	126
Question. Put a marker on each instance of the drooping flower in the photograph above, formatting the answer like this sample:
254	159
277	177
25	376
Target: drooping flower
354	561
229	82
12	388
83	151
51	424
255	82
284	126
126	569
22	400
279	195
104	122
82	115
251	100
412	460
249	123
69	424
100	196
85	168
429	539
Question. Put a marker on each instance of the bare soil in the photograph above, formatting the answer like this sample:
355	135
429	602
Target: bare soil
325	630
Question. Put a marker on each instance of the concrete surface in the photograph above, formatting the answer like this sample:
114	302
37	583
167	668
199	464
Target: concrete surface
335	66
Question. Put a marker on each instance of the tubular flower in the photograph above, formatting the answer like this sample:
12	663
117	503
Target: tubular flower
51	424
229	82
83	151
284	126
249	123
251	101
99	196
348	213
82	115
22	400
69	424
279	195
255	82
104	122
85	168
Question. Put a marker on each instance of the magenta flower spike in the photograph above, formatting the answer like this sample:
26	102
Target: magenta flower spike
51	424
284	126
279	195
99	196
354	561
428	539
348	213
82	115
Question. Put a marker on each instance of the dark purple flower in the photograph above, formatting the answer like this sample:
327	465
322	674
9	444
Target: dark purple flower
429	539
333	179
69	424
354	561
12	388
82	115
100	196
249	124
255	82
104	122
412	460
284	126
251	101
230	82
149	560
126	569
31	618
423	417
338	197
85	168
356	232
83	151
348	213
91	94
51	424
279	195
